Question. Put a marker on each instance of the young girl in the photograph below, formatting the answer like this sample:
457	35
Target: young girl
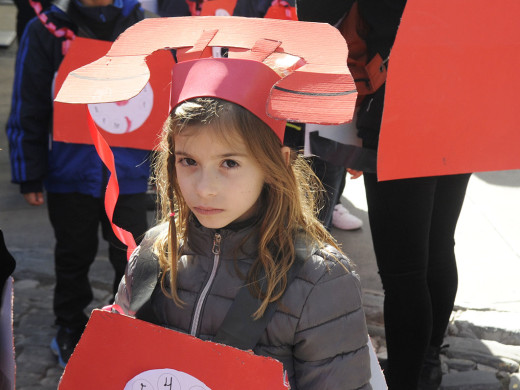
238	213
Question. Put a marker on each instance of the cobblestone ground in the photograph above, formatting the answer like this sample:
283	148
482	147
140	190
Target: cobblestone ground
34	328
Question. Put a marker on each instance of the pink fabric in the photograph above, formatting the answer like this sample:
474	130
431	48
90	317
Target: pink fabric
63	32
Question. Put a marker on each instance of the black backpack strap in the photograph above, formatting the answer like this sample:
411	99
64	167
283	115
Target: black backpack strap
239	329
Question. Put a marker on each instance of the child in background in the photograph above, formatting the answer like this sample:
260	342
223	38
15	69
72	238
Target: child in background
238	211
72	175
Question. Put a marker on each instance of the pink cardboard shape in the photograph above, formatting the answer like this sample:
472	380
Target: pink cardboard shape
320	85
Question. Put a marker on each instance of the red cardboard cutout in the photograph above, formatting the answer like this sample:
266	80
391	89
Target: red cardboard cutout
135	123
218	7
320	91
451	97
115	348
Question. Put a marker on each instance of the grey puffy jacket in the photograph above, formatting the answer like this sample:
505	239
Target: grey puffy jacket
318	330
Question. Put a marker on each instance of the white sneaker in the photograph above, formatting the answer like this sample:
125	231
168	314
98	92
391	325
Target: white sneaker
342	219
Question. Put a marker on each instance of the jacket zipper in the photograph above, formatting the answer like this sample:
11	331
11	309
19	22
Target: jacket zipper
202	299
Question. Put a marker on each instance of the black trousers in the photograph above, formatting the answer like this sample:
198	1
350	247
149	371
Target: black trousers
76	218
333	179
413	225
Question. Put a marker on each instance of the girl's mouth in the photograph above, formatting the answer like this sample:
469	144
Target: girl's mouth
206	210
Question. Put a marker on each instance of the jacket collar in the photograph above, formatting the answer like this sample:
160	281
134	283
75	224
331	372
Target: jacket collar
244	235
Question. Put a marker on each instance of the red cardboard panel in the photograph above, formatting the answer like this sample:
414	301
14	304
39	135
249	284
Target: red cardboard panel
115	348
134	123
218	7
451	98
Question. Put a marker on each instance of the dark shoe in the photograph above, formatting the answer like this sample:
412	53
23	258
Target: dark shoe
431	372
64	343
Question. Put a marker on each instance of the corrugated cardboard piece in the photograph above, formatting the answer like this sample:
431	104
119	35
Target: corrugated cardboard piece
321	90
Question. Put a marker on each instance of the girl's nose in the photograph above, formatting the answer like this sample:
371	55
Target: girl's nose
207	184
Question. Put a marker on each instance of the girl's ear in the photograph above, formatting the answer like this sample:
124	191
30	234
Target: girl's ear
286	154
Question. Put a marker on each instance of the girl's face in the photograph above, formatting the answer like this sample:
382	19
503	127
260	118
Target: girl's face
218	178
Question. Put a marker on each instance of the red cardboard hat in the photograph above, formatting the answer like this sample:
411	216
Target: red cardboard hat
190	79
318	87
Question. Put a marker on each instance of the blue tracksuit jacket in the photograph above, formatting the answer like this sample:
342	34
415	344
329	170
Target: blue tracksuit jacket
36	160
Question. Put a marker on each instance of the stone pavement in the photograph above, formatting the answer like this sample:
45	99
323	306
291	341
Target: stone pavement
484	334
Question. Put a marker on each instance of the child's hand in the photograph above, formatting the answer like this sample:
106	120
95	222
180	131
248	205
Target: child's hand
34	198
353	173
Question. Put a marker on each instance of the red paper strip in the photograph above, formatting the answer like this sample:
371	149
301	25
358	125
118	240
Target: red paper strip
112	190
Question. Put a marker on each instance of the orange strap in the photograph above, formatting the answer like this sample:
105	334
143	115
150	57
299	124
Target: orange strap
368	75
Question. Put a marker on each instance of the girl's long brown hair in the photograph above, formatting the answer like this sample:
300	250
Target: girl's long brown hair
289	195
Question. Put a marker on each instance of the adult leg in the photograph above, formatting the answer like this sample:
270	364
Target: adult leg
130	214
442	267
399	214
74	219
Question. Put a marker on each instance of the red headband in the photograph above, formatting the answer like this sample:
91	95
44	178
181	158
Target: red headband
219	77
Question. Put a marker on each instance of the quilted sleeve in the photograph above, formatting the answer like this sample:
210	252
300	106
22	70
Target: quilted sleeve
330	348
141	276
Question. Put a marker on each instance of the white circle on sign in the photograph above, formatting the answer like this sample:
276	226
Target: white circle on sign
125	116
165	379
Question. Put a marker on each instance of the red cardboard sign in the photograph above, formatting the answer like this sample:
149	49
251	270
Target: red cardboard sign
116	350
218	7
451	98
134	123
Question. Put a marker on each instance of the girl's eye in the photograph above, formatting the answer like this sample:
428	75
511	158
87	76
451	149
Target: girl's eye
230	164
187	162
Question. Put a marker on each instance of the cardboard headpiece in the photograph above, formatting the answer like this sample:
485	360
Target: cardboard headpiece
312	83
190	79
